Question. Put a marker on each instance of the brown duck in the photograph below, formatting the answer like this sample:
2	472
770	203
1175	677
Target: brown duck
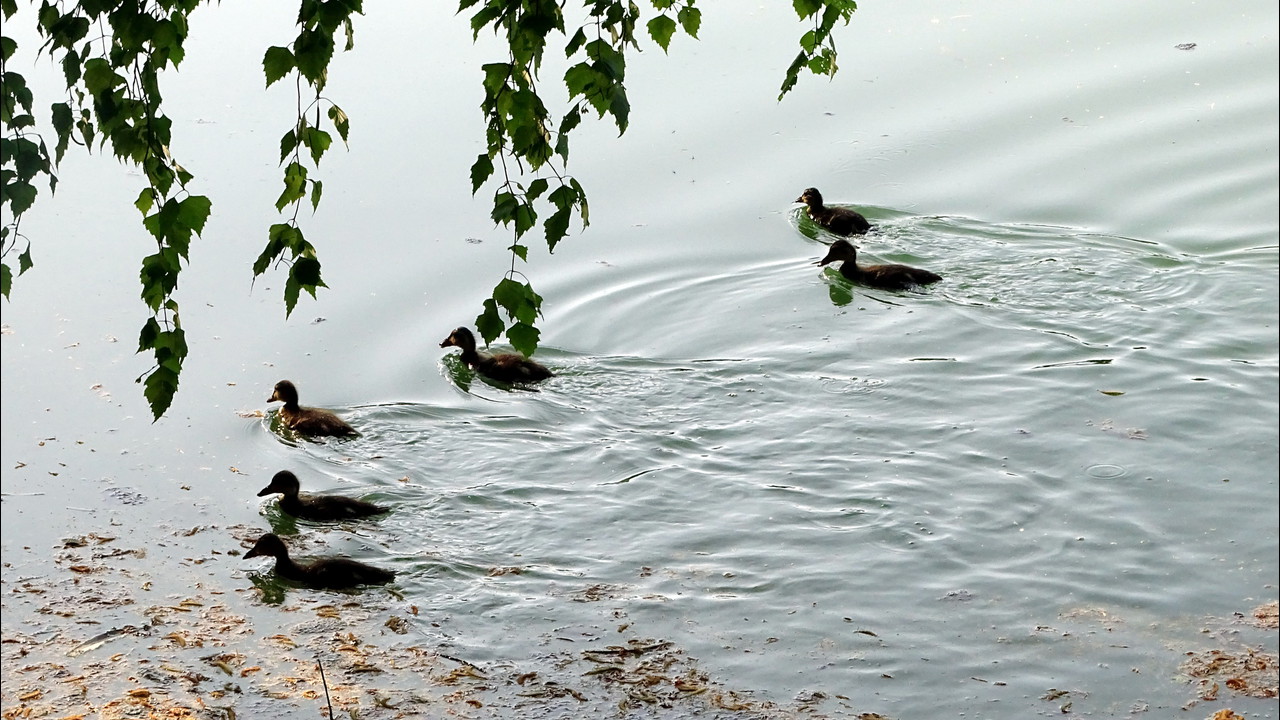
330	573
891	277
506	367
316	507
305	420
841	221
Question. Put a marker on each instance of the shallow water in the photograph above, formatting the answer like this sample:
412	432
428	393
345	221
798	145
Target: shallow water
1054	471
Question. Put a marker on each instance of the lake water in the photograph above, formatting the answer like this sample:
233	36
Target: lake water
1031	489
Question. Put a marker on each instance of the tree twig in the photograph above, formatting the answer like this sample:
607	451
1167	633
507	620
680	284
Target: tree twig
325	683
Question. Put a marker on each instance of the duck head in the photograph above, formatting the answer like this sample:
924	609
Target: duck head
460	337
840	250
810	197
268	546
284	392
282	482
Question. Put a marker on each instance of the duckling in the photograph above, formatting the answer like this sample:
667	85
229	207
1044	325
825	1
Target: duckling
316	507
330	573
892	277
841	221
506	367
305	420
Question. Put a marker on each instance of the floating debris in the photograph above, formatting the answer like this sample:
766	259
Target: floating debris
1245	671
98	641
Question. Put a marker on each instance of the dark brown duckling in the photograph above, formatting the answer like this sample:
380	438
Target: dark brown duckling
891	277
841	221
316	507
331	573
506	367
305	420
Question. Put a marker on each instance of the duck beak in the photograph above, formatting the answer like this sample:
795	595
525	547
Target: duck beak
266	491
253	553
825	260
274	396
799	199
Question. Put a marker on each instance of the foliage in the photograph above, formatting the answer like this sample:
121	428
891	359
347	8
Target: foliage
113	52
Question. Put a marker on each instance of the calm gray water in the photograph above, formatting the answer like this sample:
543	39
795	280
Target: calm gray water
1054	471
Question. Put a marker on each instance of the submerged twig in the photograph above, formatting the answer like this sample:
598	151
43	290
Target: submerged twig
325	683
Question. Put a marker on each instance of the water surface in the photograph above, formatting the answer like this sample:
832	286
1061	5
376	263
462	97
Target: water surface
1053	471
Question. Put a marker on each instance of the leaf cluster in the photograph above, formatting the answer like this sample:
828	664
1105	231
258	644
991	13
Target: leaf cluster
307	59
113	100
817	46
112	54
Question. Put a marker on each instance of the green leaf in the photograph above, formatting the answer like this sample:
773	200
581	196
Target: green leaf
480	171
487	14
525	218
146	200
350	30
295	185
581	199
690	20
279	237
317	141
518	299
579	79
792	75
661	28
495	77
62	125
291	290
504	207
620	108
567	124
159	277
806	8
520	251
489	324
99	77
71	68
312	52
306	270
20	196
22	120
288	144
194	211
556	227
608	61
6	279
161	385
147	338
317	187
524	338
809	42
575	43
341	122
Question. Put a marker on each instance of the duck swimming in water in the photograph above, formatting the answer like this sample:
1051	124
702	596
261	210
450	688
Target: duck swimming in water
505	367
841	221
316	507
891	277
305	420
331	573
